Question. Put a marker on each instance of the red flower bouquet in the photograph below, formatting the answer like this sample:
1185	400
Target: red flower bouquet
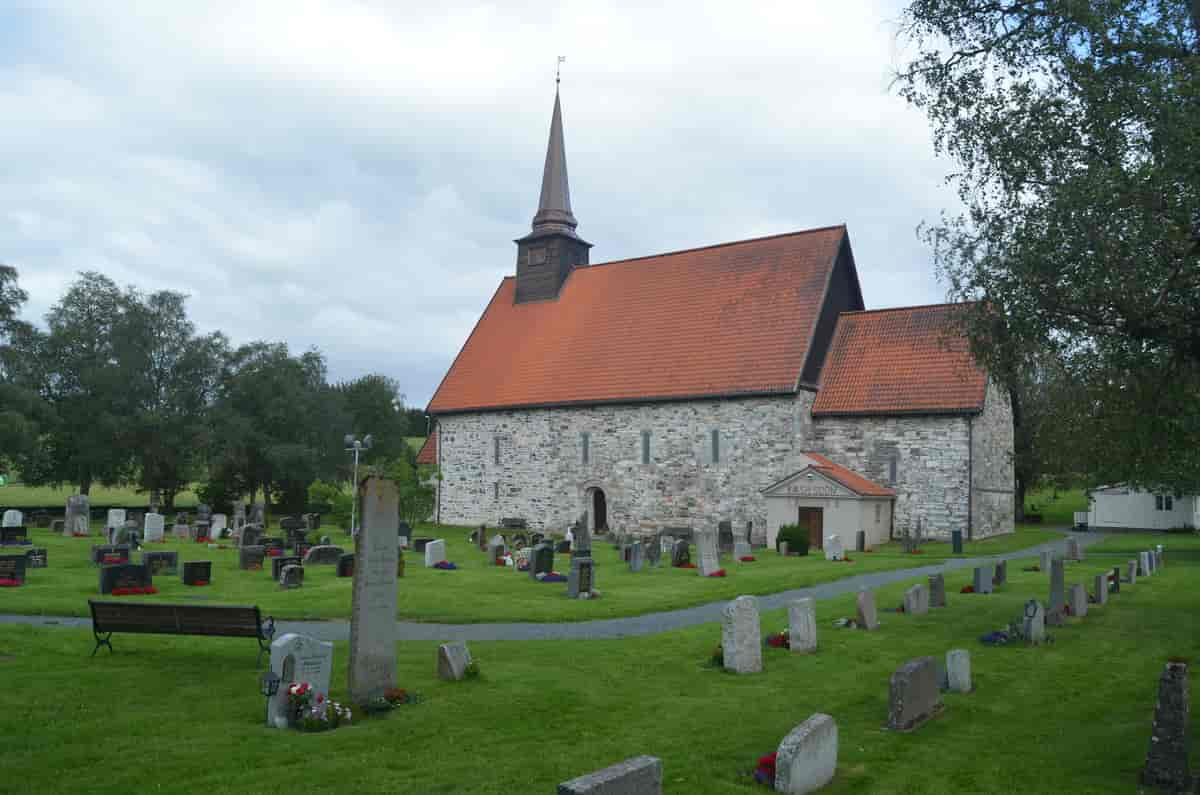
137	591
747	558
10	583
717	573
764	773
686	566
968	589
780	640
445	565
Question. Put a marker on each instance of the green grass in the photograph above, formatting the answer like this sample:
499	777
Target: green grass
1057	506
475	593
1175	545
415	442
20	496
1073	716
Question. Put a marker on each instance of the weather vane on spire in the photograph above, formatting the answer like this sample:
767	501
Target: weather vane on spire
558	70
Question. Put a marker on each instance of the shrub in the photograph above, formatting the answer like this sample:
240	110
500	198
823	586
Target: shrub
796	538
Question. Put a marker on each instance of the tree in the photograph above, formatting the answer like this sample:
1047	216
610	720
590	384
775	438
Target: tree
1076	129
374	405
21	409
415	495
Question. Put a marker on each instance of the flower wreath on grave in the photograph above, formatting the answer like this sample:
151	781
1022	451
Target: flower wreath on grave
137	591
779	640
9	583
717	573
764	772
503	560
747	558
274	552
445	565
968	589
688	565
550	576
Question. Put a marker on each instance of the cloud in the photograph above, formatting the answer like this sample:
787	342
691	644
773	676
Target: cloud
351	175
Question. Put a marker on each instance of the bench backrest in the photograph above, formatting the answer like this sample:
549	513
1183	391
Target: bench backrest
167	619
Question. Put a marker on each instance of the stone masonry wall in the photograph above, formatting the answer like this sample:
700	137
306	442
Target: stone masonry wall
931	464
992	477
542	477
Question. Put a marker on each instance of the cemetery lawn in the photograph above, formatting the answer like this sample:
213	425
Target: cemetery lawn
1057	506
1071	716
476	593
21	496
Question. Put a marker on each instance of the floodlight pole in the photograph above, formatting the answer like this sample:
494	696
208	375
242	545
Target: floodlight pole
356	446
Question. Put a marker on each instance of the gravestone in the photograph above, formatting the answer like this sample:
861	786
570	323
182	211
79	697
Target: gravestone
453	659
562	547
41	519
312	522
916	600
1131	572
273	544
958	671
291	576
251	558
126	575
860	541
1143	569
37	558
864	604
706	551
580	578
1058	594
1034	628
1101	588
582	543
219	527
802	625
937	590
372	668
418	544
635	556
301	548
725	537
666	545
653	551
1115	587
435	552
1045	558
681	554
807	757
345	566
323	556
258	514
782	548
298	658
1074	549
78	516
152	528
833	548
112	553
1167	760
14	535
983	580
541	560
741	549
1159	557
641	775
913	695
278	563
1001	575
291	524
161	562
404	532
956	546
496	549
1077	599
12	568
239	516
741	637
12	518
251	536
197	572
181	532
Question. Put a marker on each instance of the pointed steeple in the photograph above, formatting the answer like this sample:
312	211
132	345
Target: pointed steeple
554	205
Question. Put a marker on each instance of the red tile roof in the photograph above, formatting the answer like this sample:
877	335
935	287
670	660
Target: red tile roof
848	478
913	360
732	319
428	452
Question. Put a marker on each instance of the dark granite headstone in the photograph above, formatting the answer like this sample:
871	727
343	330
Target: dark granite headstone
724	537
641	775
323	556
112	554
12	567
291	576
1116	580
197	571
37	558
1056	611
278	563
937	590
956	541
914	695
291	523
1001	575
580	578
13	535
542	560
251	558
418	544
126	575
681	554
161	562
562	547
653	550
1167	761
270	543
345	566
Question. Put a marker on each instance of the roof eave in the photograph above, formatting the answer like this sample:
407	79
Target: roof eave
571	404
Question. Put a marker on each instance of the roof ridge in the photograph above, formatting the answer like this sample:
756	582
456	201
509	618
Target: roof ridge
907	308
716	245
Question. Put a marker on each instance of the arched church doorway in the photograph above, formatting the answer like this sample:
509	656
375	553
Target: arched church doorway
599	511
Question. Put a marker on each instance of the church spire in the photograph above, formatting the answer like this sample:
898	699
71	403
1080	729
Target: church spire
554	206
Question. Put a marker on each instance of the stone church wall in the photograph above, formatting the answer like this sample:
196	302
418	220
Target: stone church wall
993	477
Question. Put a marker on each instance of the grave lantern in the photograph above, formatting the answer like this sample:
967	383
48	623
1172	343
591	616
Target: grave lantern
269	685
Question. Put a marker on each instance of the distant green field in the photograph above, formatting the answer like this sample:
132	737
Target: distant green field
20	496
1057	507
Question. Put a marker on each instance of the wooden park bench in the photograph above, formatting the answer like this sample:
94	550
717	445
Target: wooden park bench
160	619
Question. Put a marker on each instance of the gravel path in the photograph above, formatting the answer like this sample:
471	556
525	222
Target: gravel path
650	624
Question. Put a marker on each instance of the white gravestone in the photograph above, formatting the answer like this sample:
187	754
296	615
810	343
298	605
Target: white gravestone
116	518
741	637
834	549
435	552
802	626
1143	564
299	658
79	515
958	671
12	518
219	526
807	758
706	551
152	528
372	668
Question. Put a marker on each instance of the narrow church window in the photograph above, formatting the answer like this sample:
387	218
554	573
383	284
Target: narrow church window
584	439
877	513
716	446
645	447
892	466
496	445
496	490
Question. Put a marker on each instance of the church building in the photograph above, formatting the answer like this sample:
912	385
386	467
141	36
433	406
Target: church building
742	382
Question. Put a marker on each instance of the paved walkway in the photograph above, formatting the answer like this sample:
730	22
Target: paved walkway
633	626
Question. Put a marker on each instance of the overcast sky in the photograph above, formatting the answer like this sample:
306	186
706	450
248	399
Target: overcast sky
351	175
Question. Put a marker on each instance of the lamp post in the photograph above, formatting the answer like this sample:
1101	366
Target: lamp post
269	685
355	446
